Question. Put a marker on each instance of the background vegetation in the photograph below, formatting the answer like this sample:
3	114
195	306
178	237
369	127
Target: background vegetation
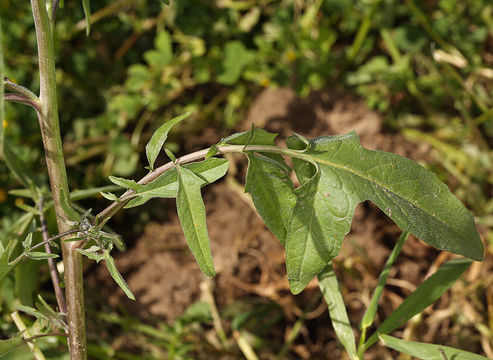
425	66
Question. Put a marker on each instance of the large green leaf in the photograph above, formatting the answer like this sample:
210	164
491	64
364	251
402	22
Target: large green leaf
157	140
425	295
272	193
191	211
346	174
428	351
166	185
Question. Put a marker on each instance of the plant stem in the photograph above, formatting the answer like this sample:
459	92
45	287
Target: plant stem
111	210
55	277
50	132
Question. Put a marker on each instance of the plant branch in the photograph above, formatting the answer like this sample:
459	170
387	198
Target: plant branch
18	98
112	209
52	142
19	89
55	277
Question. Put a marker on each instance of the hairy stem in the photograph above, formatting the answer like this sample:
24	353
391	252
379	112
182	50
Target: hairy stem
50	132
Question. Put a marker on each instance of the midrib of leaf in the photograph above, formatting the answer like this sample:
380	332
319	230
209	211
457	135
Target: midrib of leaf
308	232
381	186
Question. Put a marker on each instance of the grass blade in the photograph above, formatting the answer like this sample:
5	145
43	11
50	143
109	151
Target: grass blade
340	322
372	308
426	294
428	351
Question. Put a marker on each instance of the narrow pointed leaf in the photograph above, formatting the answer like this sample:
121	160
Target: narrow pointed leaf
371	311
428	351
37	255
329	287
85	193
159	137
348	174
166	185
425	295
86	5
126	183
109	196
191	211
272	193
115	274
91	253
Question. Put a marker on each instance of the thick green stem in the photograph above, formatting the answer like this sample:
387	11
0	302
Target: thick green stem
50	131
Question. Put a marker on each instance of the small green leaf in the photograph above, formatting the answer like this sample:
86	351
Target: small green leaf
428	351
329	287
159	137
37	255
11	343
126	183
272	193
191	211
67	207
28	241
109	196
371	311
115	274
22	193
92	253
425	295
170	154
212	151
31	311
28	209
83	194
86	5
166	185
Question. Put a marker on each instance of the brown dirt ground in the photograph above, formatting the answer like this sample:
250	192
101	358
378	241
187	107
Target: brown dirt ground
250	262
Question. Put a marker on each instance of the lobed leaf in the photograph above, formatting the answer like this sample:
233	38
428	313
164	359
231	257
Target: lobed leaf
329	287
428	351
191	211
346	174
272	193
166	185
156	143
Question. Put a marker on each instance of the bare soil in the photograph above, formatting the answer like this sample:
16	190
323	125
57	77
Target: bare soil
250	262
